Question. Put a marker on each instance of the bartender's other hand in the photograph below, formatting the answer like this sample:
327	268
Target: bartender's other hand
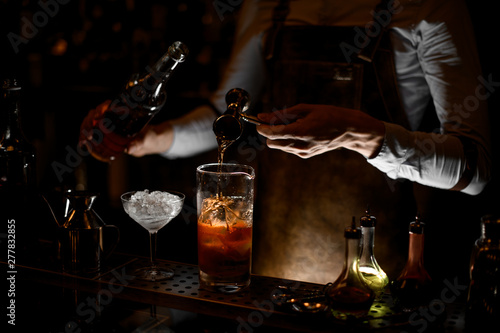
154	139
307	130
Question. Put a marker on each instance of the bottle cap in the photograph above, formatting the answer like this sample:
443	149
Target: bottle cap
368	220
417	226
352	231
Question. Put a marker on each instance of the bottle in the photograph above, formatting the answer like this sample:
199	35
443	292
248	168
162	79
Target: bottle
349	296
413	287
370	270
17	153
141	99
18	188
483	300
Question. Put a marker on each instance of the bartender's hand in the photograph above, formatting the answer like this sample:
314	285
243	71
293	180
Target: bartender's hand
153	139
308	130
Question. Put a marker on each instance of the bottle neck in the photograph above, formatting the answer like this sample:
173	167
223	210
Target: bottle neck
490	232
148	93
368	241
351	253
416	251
162	70
159	74
12	130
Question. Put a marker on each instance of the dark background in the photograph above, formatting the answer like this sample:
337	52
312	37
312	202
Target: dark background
83	53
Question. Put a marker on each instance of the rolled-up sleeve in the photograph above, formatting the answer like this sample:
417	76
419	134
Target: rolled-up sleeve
438	54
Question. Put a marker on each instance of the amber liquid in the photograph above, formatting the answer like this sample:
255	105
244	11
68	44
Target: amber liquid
349	301
114	130
224	243
223	145
410	293
483	304
225	252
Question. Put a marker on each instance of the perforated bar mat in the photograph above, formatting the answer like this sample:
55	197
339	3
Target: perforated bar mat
183	291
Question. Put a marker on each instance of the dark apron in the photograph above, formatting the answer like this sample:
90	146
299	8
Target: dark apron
303	205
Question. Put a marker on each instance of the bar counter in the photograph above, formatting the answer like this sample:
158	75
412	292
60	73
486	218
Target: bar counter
109	302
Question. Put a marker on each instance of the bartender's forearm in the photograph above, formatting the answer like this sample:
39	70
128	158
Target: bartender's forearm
192	134
436	160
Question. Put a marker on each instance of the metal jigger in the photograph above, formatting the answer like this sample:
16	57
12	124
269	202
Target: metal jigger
228	126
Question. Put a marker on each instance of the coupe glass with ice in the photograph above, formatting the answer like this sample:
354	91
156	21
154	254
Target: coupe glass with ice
153	210
225	217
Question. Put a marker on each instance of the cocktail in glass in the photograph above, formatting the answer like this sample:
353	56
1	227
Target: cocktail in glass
225	218
153	210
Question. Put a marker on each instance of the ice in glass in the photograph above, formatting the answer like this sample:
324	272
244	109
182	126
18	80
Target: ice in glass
225	217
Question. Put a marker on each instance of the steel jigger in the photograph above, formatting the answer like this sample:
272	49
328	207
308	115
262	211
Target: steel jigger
228	126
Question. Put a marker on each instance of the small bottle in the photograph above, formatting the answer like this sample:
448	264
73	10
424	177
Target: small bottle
349	296
483	300
18	187
370	270
141	99
413	287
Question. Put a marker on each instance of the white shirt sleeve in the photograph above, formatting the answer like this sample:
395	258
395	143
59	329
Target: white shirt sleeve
436	58
193	134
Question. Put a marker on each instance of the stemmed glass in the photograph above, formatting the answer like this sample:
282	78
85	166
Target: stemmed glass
153	210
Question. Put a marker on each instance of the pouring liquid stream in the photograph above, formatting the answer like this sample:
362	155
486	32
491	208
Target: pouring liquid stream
223	145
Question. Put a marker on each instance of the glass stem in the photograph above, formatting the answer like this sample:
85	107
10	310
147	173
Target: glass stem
152	248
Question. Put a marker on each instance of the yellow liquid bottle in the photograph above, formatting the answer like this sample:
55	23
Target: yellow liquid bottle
369	269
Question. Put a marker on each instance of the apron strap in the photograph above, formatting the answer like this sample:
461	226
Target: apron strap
280	13
367	52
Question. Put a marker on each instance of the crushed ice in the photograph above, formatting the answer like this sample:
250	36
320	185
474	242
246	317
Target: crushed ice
154	204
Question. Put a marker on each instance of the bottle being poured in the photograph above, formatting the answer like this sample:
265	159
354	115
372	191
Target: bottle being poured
109	133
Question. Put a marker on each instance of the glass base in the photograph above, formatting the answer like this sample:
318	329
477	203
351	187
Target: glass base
154	273
227	286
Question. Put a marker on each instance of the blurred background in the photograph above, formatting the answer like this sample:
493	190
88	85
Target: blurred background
72	55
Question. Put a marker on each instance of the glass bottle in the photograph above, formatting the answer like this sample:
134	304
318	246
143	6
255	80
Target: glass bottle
483	300
18	189
413	287
370	270
349	296
17	153
140	100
